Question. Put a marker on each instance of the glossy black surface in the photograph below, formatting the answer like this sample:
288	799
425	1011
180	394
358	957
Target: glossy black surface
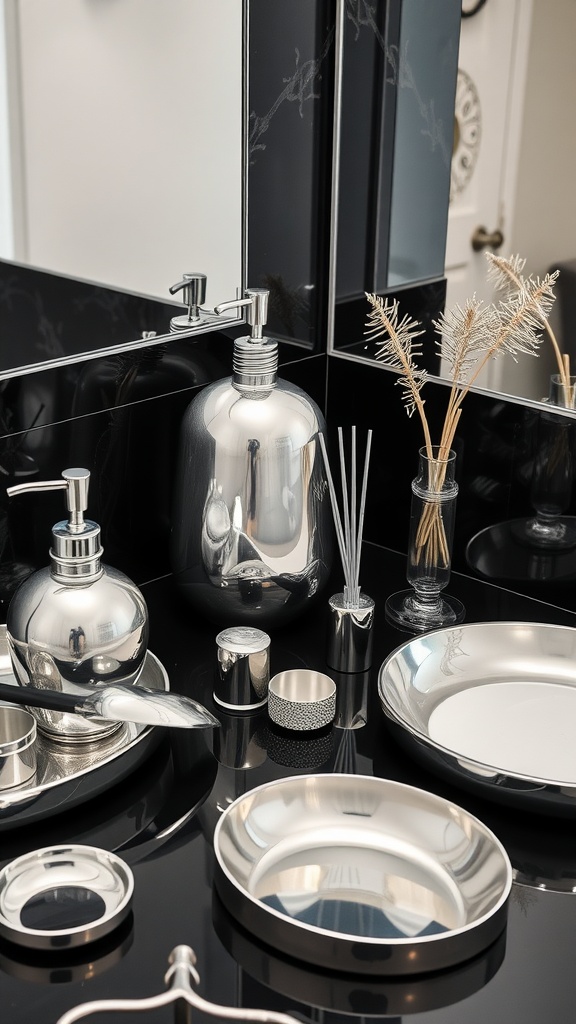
161	820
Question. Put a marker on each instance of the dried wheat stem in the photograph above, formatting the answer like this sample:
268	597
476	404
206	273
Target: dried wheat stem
563	360
508	330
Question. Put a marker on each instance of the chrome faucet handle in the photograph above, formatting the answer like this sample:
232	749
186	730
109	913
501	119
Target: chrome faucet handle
193	287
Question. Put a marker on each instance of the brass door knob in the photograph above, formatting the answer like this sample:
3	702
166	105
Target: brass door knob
483	239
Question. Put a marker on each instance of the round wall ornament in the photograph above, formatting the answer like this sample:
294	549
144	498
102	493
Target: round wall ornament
467	133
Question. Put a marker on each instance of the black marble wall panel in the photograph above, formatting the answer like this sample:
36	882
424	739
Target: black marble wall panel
290	162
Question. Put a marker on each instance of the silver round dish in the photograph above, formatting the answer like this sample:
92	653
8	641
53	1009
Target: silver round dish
361	874
63	896
17	746
491	706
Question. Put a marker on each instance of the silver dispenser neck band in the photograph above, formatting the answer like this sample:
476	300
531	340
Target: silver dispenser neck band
255	359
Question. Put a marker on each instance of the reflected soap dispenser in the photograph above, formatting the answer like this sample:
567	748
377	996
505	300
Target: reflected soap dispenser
252	527
77	621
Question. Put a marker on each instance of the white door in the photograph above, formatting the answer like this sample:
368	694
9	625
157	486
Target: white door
489	99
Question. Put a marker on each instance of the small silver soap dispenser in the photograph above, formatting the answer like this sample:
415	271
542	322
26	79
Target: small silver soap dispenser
77	621
252	526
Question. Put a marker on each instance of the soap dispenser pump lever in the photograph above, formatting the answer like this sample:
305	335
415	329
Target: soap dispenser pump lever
193	287
256	303
74	481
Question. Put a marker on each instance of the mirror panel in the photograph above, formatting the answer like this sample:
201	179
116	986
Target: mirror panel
397	71
539	215
125	146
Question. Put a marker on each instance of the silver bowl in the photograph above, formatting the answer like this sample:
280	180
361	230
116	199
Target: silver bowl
361	874
490	705
63	896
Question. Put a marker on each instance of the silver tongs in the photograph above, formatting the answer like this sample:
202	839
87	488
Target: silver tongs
117	702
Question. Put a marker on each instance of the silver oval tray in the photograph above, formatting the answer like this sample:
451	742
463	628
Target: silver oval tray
65	778
491	705
361	874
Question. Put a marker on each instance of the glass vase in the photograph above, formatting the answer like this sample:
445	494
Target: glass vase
432	516
553	471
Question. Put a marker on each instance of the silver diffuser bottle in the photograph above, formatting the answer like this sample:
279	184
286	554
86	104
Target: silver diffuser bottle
252	529
76	622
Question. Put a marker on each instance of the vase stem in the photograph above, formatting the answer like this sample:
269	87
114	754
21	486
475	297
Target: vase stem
432	516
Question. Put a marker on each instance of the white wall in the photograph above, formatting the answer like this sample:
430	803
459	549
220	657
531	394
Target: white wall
544	224
131	140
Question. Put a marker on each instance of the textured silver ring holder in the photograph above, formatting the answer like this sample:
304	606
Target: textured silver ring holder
62	897
179	976
301	699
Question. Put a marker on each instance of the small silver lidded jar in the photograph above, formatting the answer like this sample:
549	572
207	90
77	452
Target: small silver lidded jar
77	621
243	669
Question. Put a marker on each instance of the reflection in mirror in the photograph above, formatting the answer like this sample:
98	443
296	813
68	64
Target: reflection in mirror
513	117
397	63
121	159
512	166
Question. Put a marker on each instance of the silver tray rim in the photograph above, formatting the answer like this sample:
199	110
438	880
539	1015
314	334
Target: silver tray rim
480	773
341	940
110	748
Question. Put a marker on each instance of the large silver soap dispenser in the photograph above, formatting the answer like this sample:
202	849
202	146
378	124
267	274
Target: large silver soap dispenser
252	527
77	621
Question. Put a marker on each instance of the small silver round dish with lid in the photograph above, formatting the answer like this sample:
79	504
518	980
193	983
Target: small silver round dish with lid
243	668
61	897
17	746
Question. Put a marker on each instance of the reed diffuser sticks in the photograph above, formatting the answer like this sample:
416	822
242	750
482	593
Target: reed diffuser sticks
350	525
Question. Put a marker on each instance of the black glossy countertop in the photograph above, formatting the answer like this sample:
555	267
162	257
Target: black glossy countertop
161	820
